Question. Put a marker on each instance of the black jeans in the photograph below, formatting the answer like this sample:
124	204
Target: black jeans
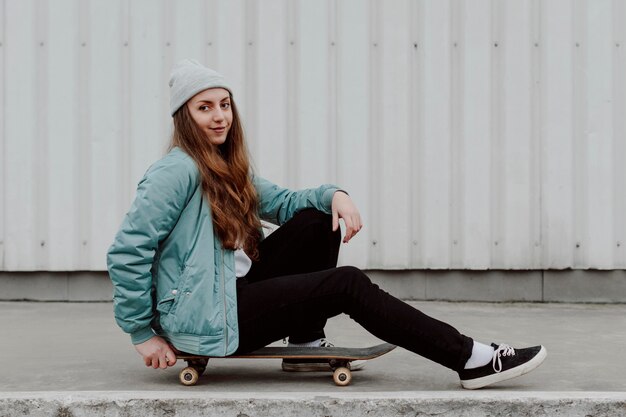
295	287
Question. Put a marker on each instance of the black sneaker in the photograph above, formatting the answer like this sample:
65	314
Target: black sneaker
316	365
507	363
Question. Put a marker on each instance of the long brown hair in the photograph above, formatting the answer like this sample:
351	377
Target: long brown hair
225	174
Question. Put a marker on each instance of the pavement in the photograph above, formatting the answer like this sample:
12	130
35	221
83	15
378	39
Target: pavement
71	359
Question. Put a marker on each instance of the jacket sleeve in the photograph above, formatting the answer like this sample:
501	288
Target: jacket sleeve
161	196
277	205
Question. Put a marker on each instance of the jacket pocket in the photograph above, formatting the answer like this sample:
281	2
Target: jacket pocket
168	304
165	305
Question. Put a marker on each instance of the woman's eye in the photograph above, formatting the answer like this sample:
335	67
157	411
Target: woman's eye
204	107
225	105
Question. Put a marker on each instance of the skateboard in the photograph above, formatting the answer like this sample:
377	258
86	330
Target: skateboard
339	359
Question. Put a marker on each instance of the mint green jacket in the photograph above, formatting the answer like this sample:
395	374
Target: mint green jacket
170	273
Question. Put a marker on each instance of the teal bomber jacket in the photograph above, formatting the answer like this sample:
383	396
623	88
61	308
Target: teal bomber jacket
170	273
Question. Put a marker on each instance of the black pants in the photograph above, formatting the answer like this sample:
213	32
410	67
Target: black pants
295	287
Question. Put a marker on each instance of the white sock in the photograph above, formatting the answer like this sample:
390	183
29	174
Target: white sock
315	343
481	356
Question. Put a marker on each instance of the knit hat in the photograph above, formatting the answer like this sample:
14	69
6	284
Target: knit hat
188	78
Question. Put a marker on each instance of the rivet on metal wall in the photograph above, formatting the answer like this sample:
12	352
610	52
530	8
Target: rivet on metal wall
250	43
40	43
617	44
618	244
495	44
84	243
455	242
374	242
0	43
536	44
415	243
578	245
375	44
43	243
577	44
291	43
415	45
125	43
167	44
83	44
495	243
210	43
332	44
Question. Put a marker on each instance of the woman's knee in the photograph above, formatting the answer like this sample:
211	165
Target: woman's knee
353	277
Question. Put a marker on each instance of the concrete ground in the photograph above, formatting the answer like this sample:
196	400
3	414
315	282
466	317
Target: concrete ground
64	353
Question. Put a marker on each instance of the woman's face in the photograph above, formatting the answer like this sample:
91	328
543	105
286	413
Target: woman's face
211	111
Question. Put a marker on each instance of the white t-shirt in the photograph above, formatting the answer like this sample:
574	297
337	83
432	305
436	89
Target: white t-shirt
242	263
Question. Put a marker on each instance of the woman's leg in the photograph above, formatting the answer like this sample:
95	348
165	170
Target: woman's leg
306	243
272	309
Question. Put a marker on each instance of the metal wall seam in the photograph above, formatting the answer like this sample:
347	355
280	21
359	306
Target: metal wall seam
171	45
374	142
599	135
416	135
122	166
333	88
293	68
41	185
457	137
83	141
251	18
497	171
619	132
3	167
580	220
536	154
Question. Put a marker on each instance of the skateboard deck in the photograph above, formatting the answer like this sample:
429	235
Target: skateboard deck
339	359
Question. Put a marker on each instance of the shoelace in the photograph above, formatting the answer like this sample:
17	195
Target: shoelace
326	343
503	350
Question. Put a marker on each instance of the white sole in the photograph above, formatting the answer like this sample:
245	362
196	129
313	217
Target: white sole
509	374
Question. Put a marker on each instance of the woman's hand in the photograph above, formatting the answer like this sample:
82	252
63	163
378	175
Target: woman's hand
344	208
156	352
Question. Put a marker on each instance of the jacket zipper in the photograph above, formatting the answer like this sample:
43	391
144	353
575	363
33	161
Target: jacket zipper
223	279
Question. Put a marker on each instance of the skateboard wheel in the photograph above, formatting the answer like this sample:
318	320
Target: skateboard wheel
188	376
342	376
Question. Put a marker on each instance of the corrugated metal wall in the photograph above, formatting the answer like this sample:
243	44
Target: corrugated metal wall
472	134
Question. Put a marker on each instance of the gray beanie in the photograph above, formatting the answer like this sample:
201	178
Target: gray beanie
188	78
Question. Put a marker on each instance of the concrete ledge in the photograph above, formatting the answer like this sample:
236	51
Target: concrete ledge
572	286
333	403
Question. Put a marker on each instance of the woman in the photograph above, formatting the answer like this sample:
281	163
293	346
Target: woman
193	272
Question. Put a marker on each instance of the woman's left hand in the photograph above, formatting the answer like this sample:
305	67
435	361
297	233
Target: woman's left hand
344	208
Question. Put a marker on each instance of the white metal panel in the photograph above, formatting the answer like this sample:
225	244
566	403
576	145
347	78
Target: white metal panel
21	239
599	236
391	110
313	94
619	131
64	197
557	134
515	159
106	43
270	144
474	179
353	153
472	134
435	159
2	124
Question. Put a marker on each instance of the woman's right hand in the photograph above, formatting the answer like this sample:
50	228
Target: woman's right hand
156	352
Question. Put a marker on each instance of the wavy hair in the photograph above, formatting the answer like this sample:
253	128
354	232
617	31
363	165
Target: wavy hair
225	175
